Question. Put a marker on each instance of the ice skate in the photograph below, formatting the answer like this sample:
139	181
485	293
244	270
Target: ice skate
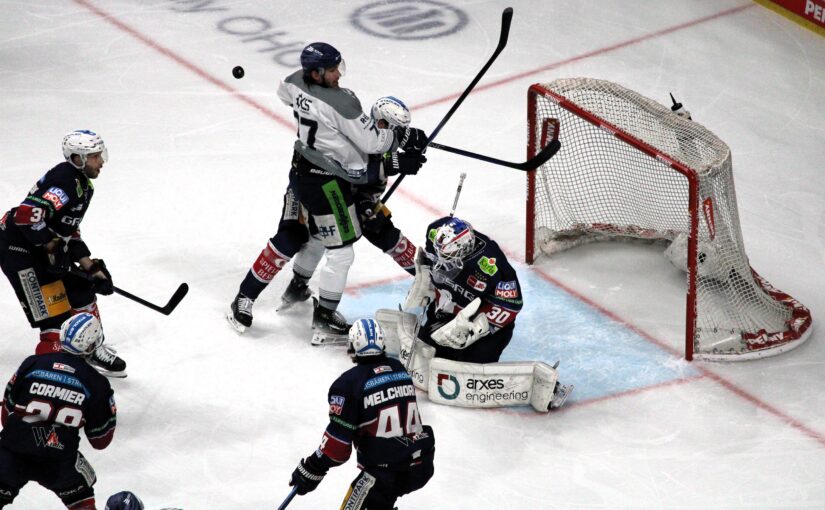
329	326
240	314
105	360
560	394
295	292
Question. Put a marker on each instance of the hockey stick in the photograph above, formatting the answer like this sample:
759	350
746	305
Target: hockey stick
458	192
506	18
289	497
531	164
174	301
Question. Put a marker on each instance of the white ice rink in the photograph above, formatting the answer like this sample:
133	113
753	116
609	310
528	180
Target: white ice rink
193	189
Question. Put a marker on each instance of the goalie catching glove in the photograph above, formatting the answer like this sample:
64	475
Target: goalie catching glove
465	329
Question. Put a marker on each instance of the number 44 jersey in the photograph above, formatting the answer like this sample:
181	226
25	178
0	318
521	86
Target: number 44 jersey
49	399
373	407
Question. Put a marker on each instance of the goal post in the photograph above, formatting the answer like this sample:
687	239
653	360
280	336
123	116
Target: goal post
630	169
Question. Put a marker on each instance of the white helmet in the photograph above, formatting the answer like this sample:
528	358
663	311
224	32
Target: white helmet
81	334
83	142
392	110
366	338
453	242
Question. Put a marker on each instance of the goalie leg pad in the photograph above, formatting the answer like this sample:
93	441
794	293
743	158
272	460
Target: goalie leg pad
503	384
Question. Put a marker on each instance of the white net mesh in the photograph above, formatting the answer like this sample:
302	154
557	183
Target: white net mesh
622	173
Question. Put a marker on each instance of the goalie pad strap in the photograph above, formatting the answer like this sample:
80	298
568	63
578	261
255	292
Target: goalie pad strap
502	384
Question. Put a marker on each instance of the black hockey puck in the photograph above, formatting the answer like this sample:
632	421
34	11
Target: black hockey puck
238	72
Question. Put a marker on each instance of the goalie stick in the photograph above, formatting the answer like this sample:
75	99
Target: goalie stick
506	18
170	306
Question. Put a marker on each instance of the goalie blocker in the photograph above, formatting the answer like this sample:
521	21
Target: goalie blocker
502	384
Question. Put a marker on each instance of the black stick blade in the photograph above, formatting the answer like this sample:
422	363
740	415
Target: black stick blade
506	19
175	300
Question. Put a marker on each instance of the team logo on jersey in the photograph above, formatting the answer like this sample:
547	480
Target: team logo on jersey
63	368
477	284
46	438
488	265
507	290
409	19
336	404
57	197
443	384
382	369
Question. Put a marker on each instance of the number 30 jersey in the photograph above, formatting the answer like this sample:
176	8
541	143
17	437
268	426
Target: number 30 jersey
486	273
49	399
373	407
332	122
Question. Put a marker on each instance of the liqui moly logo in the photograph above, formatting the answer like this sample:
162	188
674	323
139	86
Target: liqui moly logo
707	207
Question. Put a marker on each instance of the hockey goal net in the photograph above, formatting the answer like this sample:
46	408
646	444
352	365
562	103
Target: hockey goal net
630	169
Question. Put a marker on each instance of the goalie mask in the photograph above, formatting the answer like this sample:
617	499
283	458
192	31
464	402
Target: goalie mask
453	242
81	334
83	142
366	338
391	110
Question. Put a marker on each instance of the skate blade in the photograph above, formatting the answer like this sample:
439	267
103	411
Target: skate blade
285	305
237	326
327	339
110	374
561	397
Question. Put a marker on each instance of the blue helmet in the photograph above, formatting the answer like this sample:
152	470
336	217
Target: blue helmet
366	338
320	56
124	500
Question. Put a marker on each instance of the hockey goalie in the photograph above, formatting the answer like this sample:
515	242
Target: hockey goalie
458	318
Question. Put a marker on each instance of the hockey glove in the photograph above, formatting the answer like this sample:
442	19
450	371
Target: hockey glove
60	262
405	163
307	476
410	139
462	331
101	278
373	222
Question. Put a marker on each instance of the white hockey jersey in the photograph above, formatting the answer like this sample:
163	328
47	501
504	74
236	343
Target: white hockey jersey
332	122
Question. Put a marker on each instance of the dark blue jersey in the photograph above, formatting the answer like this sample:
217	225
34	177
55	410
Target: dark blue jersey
49	399
54	207
373	407
485	274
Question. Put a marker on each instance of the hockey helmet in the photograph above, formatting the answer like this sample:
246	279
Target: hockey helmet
453	242
124	500
366	338
83	142
392	110
320	56
81	334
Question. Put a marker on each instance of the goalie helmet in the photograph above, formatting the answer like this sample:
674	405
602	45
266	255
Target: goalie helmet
392	110
320	56
453	242
124	500
366	338
81	334
83	142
